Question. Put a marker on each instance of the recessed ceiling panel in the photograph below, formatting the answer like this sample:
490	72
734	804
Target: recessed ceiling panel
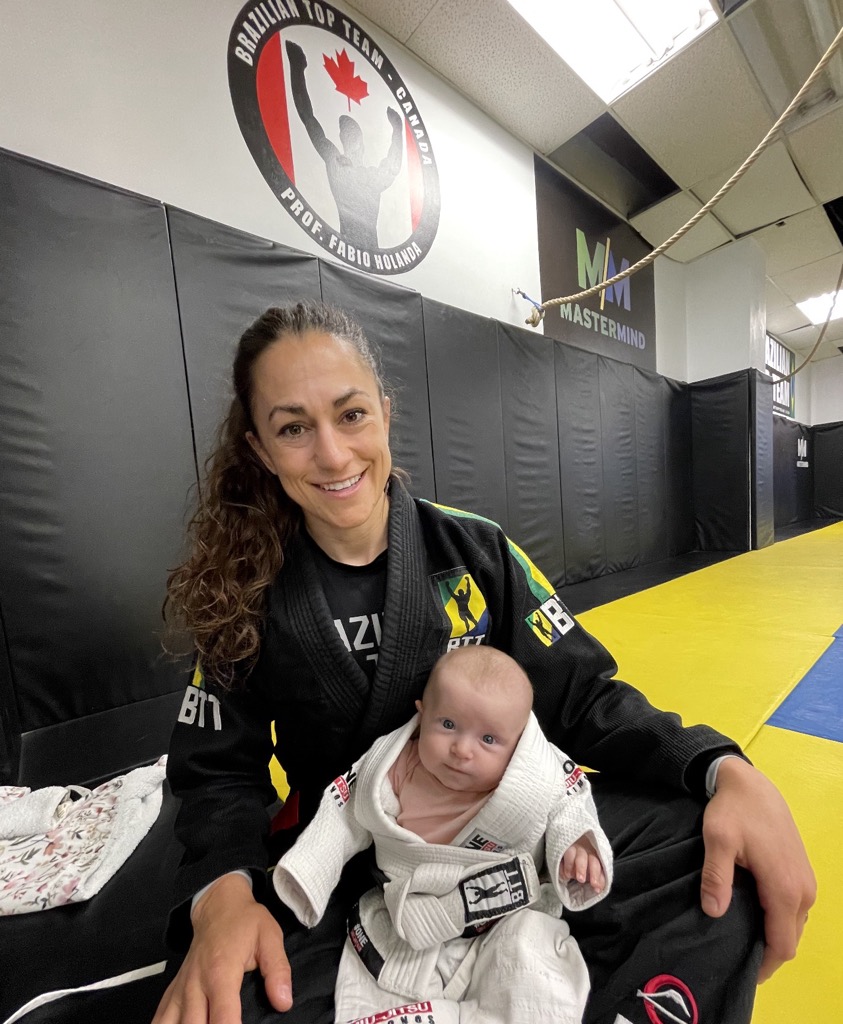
492	55
802	239
700	113
818	151
775	299
790	318
400	18
810	280
769	191
661	220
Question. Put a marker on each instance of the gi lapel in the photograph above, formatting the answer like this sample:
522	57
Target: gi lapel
409	644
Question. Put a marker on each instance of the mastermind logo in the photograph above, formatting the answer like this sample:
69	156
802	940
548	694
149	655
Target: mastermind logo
335	132
594	266
668	999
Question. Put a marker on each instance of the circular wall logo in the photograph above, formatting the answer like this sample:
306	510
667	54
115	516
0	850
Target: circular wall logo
335	132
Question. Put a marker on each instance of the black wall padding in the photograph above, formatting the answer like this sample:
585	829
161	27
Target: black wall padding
95	451
391	316
762	498
663	445
580	462
828	469
9	723
531	448
465	410
720	423
620	478
225	279
793	485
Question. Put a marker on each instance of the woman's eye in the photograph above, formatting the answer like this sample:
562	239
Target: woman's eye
291	430
354	415
447	723
488	738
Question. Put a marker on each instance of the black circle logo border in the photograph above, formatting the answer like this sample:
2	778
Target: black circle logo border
242	79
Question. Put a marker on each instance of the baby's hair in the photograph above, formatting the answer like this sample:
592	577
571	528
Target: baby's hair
487	669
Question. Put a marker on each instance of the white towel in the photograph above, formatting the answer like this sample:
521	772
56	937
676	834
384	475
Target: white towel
62	844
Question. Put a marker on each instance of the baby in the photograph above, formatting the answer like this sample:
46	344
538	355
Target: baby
464	805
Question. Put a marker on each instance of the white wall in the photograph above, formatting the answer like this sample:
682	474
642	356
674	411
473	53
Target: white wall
802	393
671	319
137	94
826	379
726	310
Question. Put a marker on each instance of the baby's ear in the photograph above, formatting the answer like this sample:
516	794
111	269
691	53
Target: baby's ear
419	707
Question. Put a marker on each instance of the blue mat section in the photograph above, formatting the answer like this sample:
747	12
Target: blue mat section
815	706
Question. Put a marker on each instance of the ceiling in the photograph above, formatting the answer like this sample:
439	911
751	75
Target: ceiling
697	118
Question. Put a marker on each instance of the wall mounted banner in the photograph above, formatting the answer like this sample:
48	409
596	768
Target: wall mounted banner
335	132
779	362
582	244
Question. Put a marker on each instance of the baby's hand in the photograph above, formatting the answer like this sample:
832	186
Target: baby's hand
581	863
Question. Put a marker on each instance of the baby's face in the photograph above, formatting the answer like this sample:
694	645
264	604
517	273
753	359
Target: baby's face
467	736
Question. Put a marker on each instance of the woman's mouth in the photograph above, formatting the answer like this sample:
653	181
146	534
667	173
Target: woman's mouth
341	485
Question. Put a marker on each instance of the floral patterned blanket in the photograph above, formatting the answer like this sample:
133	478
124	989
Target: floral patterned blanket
61	844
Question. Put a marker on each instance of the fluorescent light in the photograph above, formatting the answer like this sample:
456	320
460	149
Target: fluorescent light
816	309
613	44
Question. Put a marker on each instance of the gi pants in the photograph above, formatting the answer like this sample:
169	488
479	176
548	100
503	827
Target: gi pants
651	953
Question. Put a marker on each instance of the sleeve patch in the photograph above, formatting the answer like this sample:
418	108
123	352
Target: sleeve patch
550	621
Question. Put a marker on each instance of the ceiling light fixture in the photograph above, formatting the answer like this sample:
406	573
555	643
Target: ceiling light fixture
816	309
613	44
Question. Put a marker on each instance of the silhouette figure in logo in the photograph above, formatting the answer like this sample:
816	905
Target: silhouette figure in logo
486	893
355	187
538	622
462	597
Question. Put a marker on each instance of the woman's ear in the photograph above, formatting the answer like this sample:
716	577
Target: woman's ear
387	412
260	451
419	707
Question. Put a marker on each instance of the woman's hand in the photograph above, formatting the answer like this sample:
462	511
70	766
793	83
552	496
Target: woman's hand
232	934
581	862
747	822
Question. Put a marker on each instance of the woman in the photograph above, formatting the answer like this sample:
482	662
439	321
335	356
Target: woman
319	594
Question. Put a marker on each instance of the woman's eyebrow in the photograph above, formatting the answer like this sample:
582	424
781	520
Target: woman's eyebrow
299	410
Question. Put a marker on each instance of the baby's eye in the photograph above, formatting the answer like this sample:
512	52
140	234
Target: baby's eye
448	724
489	738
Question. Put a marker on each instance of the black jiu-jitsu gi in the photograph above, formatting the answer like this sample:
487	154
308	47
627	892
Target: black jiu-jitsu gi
327	714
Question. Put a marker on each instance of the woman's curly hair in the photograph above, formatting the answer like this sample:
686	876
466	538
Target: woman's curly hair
244	519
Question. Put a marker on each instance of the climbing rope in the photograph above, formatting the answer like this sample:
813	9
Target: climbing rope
819	341
537	314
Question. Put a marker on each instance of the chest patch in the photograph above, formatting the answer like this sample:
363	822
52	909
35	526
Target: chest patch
464	605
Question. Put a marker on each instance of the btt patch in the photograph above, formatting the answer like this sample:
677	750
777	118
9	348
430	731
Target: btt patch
494	893
550	622
341	787
668	999
465	606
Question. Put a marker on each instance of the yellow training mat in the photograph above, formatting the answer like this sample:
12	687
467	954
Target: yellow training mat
726	644
809	772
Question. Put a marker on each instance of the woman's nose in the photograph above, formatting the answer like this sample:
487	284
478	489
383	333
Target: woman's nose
330	451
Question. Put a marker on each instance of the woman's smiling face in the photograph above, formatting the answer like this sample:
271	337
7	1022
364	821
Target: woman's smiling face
323	429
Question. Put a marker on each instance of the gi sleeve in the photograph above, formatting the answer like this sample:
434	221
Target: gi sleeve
308	873
572	817
218	767
604	723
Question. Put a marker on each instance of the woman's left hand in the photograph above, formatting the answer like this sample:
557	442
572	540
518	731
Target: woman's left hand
748	823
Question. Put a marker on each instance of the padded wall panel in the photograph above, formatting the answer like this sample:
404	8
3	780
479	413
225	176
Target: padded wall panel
533	491
762	499
663	466
391	316
465	410
681	535
580	462
828	469
720	418
95	451
793	485
225	279
620	483
9	722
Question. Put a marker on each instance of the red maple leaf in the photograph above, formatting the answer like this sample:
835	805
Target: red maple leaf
342	75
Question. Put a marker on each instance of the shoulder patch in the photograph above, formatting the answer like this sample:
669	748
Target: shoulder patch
550	621
464	605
